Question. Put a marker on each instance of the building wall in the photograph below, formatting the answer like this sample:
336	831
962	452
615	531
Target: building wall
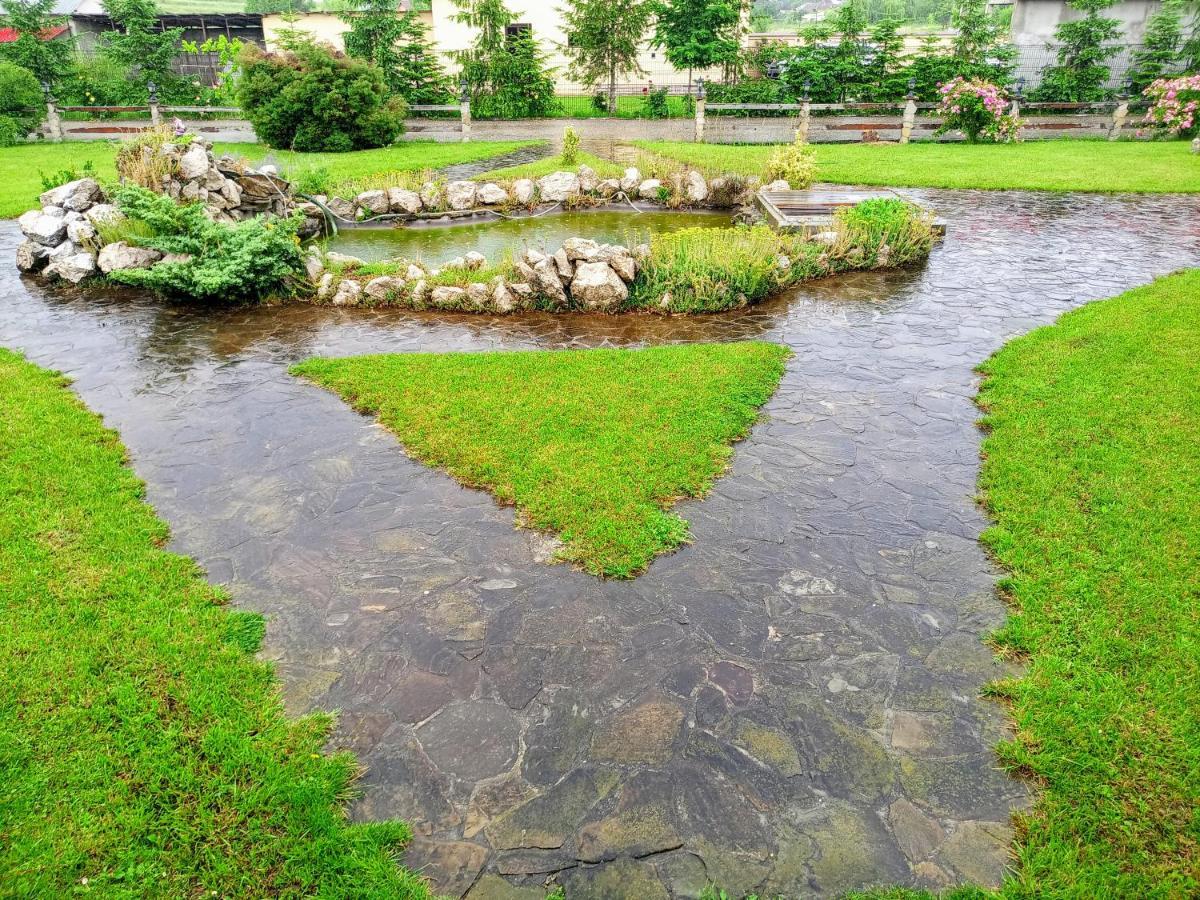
326	27
1034	21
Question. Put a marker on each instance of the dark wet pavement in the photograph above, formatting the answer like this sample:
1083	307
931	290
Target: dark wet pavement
789	705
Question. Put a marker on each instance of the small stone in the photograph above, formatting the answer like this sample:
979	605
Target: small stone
268	170
549	282
491	194
474	261
404	201
194	163
49	231
630	180
648	189
314	266
607	188
325	286
383	288
82	232
414	272
558	186
348	293
524	191
104	214
73	268
779	184
460	195
431	195
588	179
503	300
374	202
443	297
118	256
77	195
478	294
694	187
596	286
31	256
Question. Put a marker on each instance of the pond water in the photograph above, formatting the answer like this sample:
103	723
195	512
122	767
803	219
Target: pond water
435	244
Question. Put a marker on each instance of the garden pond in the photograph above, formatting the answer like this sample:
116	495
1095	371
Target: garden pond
435	243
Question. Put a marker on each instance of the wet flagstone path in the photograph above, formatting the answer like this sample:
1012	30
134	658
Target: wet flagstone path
789	705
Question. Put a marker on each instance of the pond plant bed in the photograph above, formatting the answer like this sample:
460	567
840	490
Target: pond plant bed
187	224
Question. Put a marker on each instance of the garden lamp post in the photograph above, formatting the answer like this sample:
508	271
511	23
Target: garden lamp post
464	106
152	99
807	95
912	89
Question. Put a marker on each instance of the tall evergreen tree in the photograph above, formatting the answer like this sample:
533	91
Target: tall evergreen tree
33	20
1085	47
698	34
980	47
139	45
1161	47
603	40
505	73
398	45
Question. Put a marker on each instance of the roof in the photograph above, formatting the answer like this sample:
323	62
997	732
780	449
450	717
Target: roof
9	35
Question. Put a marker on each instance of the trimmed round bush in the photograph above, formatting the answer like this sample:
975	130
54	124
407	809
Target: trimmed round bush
21	103
315	99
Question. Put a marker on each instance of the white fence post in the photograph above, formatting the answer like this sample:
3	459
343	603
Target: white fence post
699	110
910	112
805	113
464	108
155	115
53	120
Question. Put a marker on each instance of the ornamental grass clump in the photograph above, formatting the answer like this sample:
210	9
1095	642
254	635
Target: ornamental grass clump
978	110
1175	108
885	232
795	163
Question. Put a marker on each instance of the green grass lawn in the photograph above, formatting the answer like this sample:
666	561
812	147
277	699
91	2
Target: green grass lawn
594	445
143	749
1061	165
20	167
1092	475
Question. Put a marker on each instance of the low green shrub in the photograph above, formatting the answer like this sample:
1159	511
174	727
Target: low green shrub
657	105
314	99
257	258
570	147
21	103
67	175
888	232
795	163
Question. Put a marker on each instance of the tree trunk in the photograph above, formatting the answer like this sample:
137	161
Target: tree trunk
612	89
689	81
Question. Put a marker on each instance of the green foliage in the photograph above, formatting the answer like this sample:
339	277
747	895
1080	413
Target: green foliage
252	259
887	231
21	103
697	34
49	61
603	40
146	750
399	46
139	43
99	80
570	147
594	445
1161	46
506	74
1091	474
270	7
795	163
657	104
1085	46
64	176
314	99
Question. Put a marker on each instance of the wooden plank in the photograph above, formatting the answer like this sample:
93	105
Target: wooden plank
434	107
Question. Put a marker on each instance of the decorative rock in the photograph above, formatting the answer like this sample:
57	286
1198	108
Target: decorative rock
492	194
73	268
580	248
521	291
558	186
374	202
631	179
384	287
461	195
314	265
120	255
648	189
63	250
779	184
31	257
414	273
194	162
478	294
444	297
566	269
525	270
459	262
343	259
341	207
502	299
620	260
596	286
419	290
588	179
694	187
524	191
77	195
214	181
175	259
609	187
402	201
57	211
348	293
325	286
548	281
268	170
49	231
431	195
473	261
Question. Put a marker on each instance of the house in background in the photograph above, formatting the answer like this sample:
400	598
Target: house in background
1034	21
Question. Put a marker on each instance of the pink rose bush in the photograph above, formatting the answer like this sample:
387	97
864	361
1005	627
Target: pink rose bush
978	109
1174	105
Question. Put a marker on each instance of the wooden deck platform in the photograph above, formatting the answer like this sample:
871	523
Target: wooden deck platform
813	209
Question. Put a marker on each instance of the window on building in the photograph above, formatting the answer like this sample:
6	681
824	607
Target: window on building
516	29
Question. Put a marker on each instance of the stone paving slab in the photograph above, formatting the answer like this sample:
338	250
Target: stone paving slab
789	705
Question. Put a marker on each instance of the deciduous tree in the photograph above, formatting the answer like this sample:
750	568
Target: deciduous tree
603	40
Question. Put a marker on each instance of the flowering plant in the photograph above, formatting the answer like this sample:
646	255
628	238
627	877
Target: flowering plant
978	109
1175	105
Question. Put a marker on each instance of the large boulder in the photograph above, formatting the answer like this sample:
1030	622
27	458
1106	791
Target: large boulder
348	293
524	191
384	288
403	201
446	297
492	194
630	180
31	256
609	187
558	186
77	195
341	207
548	281
588	179
478	294
460	195
49	231
695	188
432	196
374	202
120	255
648	189
193	163
596	286
503	300
73	268
104	214
580	248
